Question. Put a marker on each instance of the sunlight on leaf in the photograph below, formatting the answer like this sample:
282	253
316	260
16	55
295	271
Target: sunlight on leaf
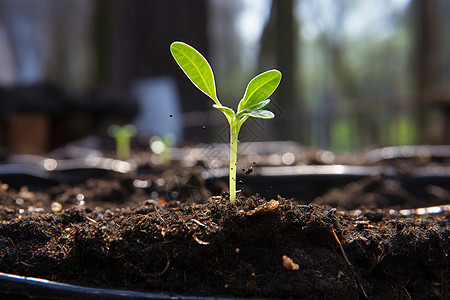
260	88
260	114
196	68
228	112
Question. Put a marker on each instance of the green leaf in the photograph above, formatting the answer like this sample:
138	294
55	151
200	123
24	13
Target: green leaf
260	88
228	112
260	114
257	106
196	68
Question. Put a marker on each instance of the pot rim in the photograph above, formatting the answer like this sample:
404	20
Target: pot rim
11	284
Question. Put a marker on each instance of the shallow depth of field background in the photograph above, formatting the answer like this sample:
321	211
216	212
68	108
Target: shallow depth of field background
357	74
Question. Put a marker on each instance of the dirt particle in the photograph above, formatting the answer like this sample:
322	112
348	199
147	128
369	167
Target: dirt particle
289	264
199	241
248	171
25	193
56	207
266	207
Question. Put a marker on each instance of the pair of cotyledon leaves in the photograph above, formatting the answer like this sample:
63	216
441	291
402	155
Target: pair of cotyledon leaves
255	99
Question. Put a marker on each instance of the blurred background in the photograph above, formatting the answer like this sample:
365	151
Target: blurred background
357	74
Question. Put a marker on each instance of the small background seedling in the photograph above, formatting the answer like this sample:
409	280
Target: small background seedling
123	136
162	146
255	98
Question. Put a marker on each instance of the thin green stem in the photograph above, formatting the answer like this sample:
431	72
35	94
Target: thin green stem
123	145
123	148
234	132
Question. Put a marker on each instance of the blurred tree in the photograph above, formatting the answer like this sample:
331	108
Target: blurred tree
341	76
336	44
279	50
358	52
70	61
133	39
47	43
226	49
428	60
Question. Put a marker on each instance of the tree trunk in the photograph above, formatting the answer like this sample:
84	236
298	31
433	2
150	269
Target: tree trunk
428	60
279	50
133	39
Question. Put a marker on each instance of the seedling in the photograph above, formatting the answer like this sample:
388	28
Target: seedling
162	146
122	135
255	99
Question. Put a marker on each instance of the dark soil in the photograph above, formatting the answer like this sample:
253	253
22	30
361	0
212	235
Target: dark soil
168	233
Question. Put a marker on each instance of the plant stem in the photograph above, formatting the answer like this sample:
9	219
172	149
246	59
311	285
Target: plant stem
234	132
123	146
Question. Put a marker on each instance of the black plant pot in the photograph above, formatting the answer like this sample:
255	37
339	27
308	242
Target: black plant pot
20	287
305	182
300	182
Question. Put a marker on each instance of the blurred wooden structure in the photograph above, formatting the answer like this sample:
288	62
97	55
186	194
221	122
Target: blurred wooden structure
132	40
28	133
36	119
440	97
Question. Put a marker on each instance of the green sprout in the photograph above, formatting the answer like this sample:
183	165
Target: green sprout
122	135
255	99
162	146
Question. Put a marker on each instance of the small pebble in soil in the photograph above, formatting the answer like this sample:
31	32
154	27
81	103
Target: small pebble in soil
56	207
25	193
108	214
266	207
248	171
80	199
288	158
289	264
143	184
160	182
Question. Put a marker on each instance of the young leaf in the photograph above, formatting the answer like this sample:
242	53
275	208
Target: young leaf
196	68
228	112
257	106
260	88
260	114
